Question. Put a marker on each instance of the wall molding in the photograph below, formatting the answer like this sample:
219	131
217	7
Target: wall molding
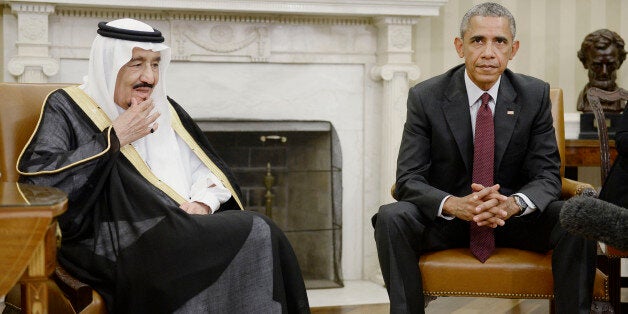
318	7
112	14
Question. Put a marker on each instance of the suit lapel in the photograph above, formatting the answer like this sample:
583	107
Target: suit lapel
458	117
505	118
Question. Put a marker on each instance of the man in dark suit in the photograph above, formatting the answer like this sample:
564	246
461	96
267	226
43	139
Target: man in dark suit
513	203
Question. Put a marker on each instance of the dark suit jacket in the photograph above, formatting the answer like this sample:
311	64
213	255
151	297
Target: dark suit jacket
436	153
615	189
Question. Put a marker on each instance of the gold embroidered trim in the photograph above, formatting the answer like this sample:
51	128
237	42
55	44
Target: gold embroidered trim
93	111
136	160
486	294
183	133
22	193
41	114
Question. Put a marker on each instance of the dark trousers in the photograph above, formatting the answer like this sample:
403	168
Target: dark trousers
403	233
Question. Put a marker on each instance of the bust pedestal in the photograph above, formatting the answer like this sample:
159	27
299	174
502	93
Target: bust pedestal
588	125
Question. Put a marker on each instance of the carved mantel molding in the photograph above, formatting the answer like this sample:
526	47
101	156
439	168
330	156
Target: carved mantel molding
319	7
33	62
396	68
394	48
19	64
220	30
387	72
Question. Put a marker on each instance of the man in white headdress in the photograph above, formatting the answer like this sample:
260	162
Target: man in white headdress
154	221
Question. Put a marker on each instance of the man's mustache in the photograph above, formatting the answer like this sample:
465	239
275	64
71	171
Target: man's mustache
139	85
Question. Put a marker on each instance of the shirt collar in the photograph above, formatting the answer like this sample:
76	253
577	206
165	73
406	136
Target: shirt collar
474	92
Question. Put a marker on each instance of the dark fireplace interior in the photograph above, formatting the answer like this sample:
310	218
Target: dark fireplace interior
291	172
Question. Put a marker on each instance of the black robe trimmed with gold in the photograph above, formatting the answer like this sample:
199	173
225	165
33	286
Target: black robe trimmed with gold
125	235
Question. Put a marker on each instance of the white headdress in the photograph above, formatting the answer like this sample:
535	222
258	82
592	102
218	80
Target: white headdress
112	49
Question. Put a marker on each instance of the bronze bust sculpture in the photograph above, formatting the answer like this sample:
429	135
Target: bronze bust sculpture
602	53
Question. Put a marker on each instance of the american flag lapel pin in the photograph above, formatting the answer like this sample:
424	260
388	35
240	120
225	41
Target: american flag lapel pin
510	112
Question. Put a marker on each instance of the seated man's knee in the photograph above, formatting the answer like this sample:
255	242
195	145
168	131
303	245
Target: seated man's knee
392	211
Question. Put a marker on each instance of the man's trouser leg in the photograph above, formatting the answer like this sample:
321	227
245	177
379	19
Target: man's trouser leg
573	268
397	231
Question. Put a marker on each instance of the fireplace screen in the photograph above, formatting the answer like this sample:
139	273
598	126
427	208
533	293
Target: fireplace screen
291	172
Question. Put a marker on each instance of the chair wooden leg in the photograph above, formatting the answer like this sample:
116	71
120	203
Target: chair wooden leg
614	283
33	284
552	306
623	306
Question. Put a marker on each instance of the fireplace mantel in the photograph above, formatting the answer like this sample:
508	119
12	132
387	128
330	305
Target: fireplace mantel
370	8
348	62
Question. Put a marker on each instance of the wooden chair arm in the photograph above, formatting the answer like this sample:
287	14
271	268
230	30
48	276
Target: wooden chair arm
615	253
78	293
572	188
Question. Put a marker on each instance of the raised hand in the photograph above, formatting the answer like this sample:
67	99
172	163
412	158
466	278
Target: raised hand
136	122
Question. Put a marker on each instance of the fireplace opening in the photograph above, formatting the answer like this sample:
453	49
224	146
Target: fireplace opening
290	171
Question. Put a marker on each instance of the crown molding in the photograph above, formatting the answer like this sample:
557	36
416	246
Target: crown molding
370	8
209	16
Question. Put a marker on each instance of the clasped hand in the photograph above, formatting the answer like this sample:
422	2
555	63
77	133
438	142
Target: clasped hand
136	122
485	206
196	208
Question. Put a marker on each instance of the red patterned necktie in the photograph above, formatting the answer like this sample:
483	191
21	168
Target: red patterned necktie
482	238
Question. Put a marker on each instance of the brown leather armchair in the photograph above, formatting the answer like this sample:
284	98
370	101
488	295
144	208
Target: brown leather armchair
509	273
21	107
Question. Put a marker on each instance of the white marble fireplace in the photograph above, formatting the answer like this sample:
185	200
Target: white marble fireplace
348	62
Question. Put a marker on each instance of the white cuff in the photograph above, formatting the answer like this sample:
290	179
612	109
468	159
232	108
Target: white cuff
440	209
209	191
531	207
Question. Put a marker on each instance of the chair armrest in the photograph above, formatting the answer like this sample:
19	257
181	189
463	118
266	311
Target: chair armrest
615	253
573	188
78	293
